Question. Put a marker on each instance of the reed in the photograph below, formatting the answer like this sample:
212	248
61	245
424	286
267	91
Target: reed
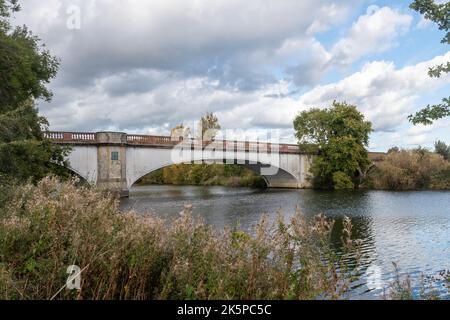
125	255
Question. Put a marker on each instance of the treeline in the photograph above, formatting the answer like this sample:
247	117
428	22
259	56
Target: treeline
414	169
205	175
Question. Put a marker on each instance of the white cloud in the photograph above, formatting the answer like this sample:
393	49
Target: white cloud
385	94
230	40
414	136
374	32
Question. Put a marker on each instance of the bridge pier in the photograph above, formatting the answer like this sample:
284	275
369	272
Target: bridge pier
112	162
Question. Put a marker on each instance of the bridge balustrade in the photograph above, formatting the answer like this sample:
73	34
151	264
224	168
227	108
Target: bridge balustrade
71	136
137	139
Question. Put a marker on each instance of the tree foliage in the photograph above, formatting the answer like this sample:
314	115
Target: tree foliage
25	70
442	149
340	135
440	14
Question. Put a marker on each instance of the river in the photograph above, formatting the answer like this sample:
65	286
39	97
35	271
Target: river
411	229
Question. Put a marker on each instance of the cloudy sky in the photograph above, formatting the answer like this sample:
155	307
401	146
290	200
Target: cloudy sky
144	66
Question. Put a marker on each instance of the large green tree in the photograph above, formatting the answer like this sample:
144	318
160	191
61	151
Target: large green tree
25	70
440	14
340	136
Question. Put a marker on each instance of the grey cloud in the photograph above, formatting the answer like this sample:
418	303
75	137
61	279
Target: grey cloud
144	64
215	39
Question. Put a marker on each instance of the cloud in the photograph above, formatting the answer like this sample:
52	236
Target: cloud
227	40
374	32
419	135
385	94
145	66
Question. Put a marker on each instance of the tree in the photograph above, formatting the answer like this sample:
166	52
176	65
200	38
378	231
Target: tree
440	14
441	148
25	69
340	135
209	126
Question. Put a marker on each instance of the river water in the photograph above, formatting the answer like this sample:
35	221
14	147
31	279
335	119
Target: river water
411	229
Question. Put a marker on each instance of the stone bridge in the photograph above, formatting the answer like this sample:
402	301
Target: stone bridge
115	160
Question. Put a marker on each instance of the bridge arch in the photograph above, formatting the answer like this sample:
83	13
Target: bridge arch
270	180
276	171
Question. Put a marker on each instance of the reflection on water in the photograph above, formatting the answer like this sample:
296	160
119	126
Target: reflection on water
411	229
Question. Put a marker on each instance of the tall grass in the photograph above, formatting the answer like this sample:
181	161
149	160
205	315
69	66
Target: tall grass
123	255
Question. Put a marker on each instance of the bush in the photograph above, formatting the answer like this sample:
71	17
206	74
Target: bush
123	255
410	170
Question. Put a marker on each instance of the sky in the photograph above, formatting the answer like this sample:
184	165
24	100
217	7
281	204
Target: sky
146	66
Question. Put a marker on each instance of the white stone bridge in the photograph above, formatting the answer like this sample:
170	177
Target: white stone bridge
115	161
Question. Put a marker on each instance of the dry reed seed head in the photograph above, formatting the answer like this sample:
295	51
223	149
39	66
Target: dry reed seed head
346	236
299	226
322	226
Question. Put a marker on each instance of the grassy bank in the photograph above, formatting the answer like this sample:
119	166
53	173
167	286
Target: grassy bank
46	228
205	175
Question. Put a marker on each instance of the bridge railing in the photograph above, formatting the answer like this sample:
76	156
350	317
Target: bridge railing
71	136
147	139
136	139
225	144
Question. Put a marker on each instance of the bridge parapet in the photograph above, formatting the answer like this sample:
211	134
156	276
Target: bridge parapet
71	137
151	140
167	141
